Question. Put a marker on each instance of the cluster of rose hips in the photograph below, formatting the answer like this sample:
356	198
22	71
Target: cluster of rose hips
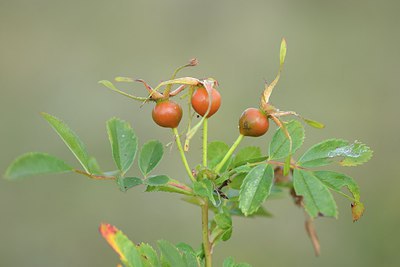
167	113
205	99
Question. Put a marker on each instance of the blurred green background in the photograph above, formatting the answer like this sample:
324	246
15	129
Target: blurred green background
342	68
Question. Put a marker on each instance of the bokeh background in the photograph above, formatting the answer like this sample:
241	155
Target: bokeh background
342	68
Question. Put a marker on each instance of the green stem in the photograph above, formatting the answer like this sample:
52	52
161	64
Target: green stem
183	157
205	137
228	154
94	176
205	233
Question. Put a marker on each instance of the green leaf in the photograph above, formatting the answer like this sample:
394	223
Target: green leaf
121	79
205	188
173	186
185	248
94	166
314	124
282	54
256	188
190	260
108	84
229	262
223	225
149	255
227	234
35	164
241	169
316	196
245	154
233	207
327	151
286	167
336	181
111	86
215	153
170	254
279	147
124	143
72	140
150	156
189	255
224	221
157	180
237	181
129	182
126	250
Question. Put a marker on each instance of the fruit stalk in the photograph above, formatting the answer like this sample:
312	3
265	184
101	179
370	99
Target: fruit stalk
205	141
228	154
182	153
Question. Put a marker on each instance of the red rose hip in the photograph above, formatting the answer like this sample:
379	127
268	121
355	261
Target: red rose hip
253	122
167	114
200	101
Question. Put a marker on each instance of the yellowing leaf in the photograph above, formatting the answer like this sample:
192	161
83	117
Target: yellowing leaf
109	231
357	210
125	248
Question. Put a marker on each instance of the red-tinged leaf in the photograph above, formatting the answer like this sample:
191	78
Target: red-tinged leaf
125	248
109	231
357	210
